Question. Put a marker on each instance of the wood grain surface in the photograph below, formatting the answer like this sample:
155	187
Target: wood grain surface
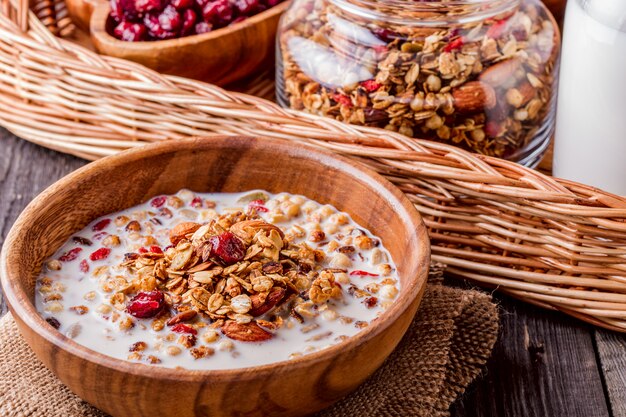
544	364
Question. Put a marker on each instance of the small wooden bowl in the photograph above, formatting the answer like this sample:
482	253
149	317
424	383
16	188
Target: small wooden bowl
290	388
219	57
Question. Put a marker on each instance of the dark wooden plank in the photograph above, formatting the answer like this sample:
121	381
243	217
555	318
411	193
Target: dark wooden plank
25	170
543	364
611	348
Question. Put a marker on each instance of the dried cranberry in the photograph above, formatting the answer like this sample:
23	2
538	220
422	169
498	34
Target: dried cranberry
155	249
370	85
227	247
197	201
144	6
217	11
258	205
386	34
53	322
142	250
492	129
101	225
70	255
184	328
84	266
146	304
159	201
189	21
342	99
170	20
130	32
203	27
497	29
82	241
246	6
454	45
182	4
122	10
100	254
360	273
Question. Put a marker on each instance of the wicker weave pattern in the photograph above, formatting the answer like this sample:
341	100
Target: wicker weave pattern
554	243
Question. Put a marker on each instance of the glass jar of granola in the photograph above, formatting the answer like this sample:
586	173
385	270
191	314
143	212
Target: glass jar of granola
476	73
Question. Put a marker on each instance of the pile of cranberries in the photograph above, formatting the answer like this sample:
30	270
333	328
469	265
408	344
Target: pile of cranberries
151	20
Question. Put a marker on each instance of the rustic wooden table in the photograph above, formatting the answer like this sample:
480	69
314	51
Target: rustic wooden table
544	364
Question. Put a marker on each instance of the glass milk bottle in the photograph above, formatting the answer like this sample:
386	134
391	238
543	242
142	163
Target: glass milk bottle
590	145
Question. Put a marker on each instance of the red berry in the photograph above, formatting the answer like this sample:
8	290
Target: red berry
189	21
360	273
158	201
155	249
84	266
246	7
182	4
227	247
100	254
146	304
142	250
454	45
100	235
70	255
144	6
122	10
497	29
203	27
218	11
370	85
258	205
197	202
493	129
101	225
170	20
130	32
342	99
272	3
184	328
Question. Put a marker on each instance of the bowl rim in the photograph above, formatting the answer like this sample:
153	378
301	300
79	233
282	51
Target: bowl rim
100	15
24	310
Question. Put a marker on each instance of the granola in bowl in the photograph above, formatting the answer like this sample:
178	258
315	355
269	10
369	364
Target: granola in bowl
217	281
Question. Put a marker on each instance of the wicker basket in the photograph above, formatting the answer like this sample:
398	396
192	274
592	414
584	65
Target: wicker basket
553	243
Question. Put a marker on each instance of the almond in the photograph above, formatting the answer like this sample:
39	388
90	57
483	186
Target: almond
245	332
261	306
528	92
473	97
181	230
496	75
180	317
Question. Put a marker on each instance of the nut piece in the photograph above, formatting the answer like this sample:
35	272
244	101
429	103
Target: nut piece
260	306
474	96
181	230
180	317
500	73
248	332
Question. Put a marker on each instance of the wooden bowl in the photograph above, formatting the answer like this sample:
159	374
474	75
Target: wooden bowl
228	164
219	57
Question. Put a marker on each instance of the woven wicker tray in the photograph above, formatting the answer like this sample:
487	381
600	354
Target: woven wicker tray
550	242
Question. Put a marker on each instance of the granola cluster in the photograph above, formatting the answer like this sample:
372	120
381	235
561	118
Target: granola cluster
487	85
189	277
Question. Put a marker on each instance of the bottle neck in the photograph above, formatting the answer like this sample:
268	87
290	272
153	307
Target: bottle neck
428	13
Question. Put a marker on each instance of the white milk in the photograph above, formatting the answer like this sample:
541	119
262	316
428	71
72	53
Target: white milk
590	142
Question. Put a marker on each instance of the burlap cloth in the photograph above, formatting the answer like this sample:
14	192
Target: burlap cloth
443	351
